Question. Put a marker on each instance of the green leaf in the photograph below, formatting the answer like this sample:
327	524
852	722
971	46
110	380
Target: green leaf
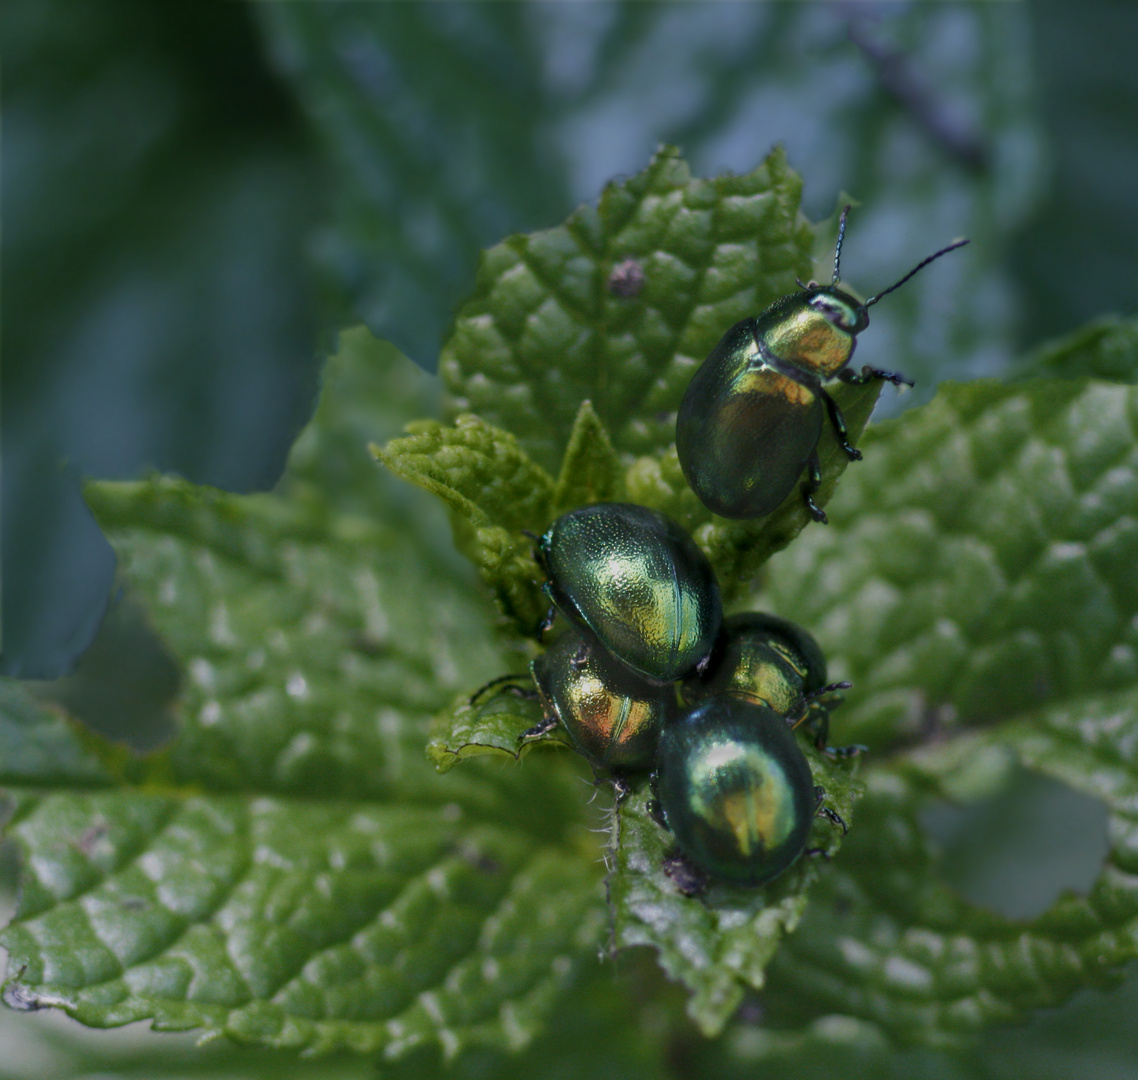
994	536
292	922
545	330
429	124
37	743
291	871
590	470
477	469
370	392
492	724
1104	349
494	488
927	967
718	945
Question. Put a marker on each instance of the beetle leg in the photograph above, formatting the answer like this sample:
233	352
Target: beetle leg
868	374
548	723
525	691
546	623
621	788
816	718
833	817
838	422
655	810
813	483
826	812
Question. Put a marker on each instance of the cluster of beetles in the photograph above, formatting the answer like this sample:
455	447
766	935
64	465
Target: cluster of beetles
649	675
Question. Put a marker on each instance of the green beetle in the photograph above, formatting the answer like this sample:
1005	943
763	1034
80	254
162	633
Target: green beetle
749	424
638	582
736	791
762	657
773	662
612	716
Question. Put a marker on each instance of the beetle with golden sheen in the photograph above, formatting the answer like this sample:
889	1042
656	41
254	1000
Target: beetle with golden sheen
751	419
735	789
612	716
638	582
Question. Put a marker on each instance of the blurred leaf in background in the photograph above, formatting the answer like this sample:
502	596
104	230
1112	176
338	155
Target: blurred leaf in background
159	189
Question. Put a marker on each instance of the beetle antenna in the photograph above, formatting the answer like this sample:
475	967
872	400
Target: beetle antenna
920	266
838	247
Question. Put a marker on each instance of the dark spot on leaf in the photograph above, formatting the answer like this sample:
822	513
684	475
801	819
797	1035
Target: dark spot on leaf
481	862
369	646
626	279
690	880
750	1011
90	837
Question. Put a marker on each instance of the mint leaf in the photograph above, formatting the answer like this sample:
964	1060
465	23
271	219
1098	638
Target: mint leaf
497	493
490	723
545	330
930	968
291	871
590	471
987	584
477	469
1105	349
994	537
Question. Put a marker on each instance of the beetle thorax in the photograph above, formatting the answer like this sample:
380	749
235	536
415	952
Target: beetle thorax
805	338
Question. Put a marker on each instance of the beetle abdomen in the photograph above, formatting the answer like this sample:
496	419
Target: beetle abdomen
744	437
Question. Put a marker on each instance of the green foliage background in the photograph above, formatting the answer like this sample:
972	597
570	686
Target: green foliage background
289	870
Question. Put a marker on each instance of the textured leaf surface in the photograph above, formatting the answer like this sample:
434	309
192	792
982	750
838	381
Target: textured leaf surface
990	585
884	941
291	871
991	566
546	329
590	471
489	723
497	495
1104	349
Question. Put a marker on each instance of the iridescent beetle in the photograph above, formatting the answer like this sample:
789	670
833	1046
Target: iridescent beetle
638	582
736	791
752	416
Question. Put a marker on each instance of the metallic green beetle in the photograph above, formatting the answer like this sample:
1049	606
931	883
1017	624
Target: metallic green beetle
638	582
736	790
773	662
752	416
613	717
764	658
